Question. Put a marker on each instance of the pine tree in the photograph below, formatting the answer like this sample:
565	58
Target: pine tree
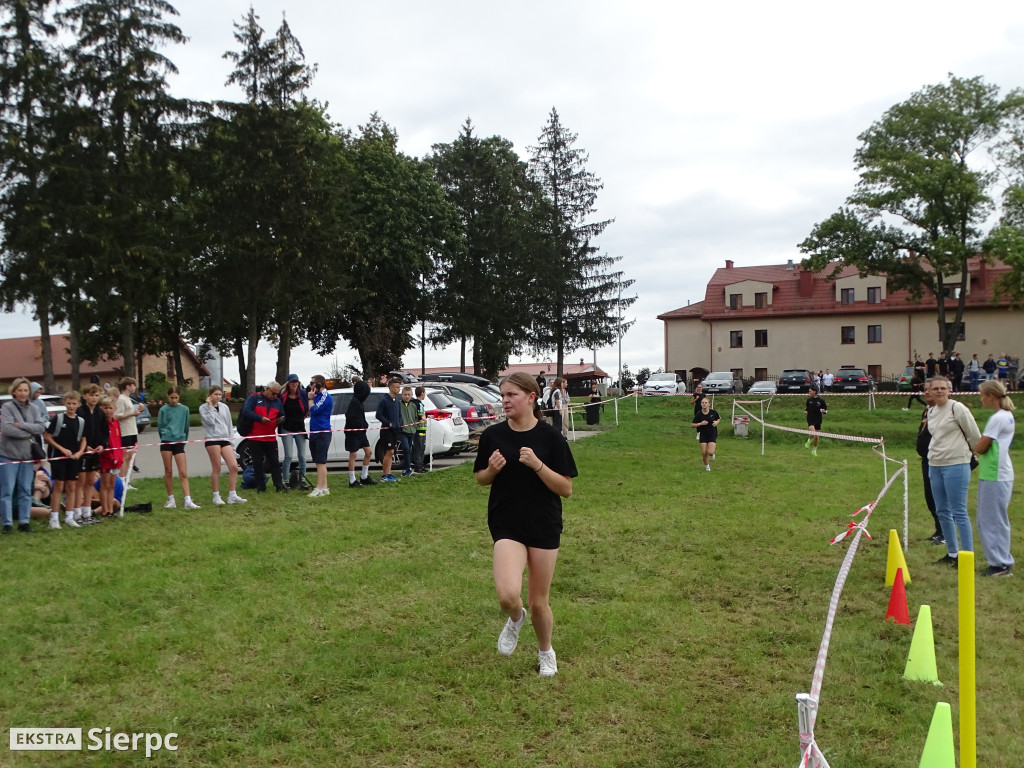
579	297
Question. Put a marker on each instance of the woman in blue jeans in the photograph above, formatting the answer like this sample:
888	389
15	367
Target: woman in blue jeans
293	429
19	427
954	434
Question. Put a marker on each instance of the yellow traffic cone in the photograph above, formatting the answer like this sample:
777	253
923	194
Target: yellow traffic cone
895	561
921	659
938	749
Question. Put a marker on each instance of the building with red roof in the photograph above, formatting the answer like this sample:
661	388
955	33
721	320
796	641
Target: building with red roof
757	321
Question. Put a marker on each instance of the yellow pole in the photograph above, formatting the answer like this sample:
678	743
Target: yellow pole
968	700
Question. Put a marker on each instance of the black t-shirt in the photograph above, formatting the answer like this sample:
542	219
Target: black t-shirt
97	432
695	399
930	364
67	437
519	501
707	421
815	407
294	414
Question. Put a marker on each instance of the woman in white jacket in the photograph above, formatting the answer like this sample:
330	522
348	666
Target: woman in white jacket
217	422
954	435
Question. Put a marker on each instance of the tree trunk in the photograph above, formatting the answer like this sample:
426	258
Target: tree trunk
179	372
46	347
462	355
250	366
242	368
128	346
284	349
76	375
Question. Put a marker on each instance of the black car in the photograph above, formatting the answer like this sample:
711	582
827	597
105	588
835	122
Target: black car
850	379
795	380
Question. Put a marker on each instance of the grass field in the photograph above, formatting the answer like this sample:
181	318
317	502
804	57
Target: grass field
360	629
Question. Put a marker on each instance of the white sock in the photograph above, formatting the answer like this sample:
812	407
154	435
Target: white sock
188	499
366	473
352	476
54	517
231	495
549	652
216	494
171	497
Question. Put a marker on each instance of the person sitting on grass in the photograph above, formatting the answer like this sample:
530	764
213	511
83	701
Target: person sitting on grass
814	409
706	424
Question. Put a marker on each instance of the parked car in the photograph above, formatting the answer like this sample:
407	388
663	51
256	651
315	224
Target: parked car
447	431
850	379
465	378
905	382
721	382
762	388
143	419
484	408
664	384
795	380
54	403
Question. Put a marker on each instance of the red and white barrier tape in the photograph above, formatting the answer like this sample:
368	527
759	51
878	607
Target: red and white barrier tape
811	432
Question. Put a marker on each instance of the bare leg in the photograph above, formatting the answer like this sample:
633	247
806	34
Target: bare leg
168	477
180	462
213	451
228	454
542	570
510	558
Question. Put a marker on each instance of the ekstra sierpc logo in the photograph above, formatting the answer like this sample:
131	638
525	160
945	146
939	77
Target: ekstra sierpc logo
96	739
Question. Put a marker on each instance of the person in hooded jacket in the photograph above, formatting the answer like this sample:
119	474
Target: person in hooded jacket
355	435
321	406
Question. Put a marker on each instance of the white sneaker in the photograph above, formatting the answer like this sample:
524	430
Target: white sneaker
906	410
509	637
217	500
171	504
55	523
69	521
548	663
707	467
189	504
325	491
130	487
234	498
316	492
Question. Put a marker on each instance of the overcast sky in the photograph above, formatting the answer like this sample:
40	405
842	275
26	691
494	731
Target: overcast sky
720	131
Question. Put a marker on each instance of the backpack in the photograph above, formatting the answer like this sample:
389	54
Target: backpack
81	426
243	425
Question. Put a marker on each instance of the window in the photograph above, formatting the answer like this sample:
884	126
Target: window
874	334
875	372
737	373
847	334
760	374
735	300
735	339
961	336
846	295
951	291
874	295
761	338
760	300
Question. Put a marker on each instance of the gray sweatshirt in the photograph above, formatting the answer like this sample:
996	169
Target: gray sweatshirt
14	440
217	423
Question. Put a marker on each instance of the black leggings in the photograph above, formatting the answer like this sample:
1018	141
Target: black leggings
915	396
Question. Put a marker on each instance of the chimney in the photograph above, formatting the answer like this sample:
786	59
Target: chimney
806	284
728	263
789	265
982	274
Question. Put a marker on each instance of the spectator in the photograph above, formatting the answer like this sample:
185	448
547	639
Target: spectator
20	427
593	408
419	464
1003	369
265	411
321	406
356	439
126	412
989	366
827	380
554	405
173	425
410	416
96	434
111	458
66	437
39	404
974	371
956	370
995	480
1014	371
216	418
931	365
924	438
390	417
295	402
542	381
954	434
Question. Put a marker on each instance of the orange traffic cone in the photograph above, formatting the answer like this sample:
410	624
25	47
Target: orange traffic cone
898	602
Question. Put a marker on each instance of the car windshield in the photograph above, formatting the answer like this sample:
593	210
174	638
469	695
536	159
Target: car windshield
663	377
719	377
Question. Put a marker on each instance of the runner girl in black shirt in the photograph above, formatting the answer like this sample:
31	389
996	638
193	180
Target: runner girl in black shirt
815	408
706	422
530	468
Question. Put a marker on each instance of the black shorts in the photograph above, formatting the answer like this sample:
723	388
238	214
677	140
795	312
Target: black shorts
64	469
355	441
387	441
535	540
217	443
816	423
708	436
173	448
129	441
318	445
90	463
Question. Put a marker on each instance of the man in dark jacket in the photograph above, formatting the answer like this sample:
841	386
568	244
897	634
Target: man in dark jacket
266	411
924	439
390	417
355	435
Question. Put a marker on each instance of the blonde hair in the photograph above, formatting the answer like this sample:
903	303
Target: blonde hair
72	395
18	382
998	391
105	401
527	384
